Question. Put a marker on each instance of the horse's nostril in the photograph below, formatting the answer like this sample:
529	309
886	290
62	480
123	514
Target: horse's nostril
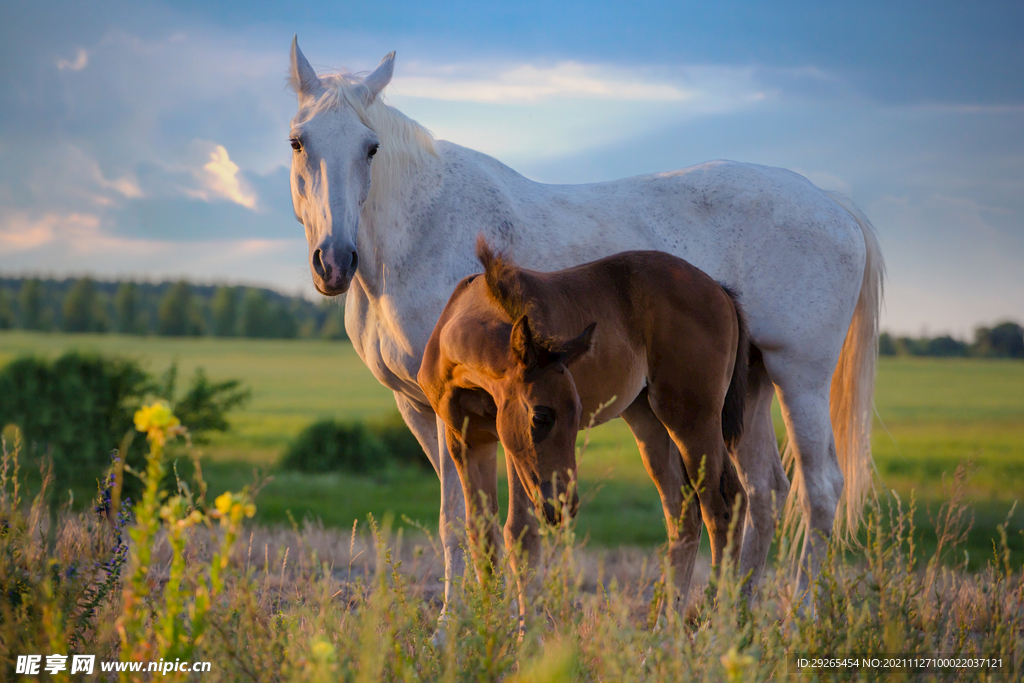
318	264
355	260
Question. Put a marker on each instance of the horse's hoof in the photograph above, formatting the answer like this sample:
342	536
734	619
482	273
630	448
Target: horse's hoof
440	636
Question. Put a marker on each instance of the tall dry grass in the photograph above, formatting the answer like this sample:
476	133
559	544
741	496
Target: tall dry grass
178	578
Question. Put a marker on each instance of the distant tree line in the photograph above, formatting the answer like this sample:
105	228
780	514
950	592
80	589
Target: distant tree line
1004	340
174	309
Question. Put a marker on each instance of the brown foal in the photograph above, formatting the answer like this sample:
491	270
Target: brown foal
654	338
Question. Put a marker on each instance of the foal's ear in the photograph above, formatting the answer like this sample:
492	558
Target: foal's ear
521	343
570	351
379	79
301	76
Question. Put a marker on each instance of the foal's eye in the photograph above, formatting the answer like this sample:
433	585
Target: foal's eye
372	151
296	145
542	421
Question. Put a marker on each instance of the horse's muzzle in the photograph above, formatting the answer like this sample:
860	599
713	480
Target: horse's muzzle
333	269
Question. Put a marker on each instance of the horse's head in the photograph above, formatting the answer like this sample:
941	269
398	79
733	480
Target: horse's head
333	153
539	414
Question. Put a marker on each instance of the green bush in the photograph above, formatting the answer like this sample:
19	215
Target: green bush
204	407
77	409
400	444
74	410
355	447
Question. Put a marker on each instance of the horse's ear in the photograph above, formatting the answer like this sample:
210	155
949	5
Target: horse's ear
301	76
379	79
522	344
570	351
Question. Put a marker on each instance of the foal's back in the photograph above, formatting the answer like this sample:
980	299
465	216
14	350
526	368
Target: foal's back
659	319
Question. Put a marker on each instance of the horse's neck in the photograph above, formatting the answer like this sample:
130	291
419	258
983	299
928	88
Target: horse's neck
391	225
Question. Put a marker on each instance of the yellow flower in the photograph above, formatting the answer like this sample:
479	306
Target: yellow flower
223	503
158	422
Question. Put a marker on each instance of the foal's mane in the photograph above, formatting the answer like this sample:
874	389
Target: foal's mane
504	279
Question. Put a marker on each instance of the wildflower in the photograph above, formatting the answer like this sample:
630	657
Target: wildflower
233	506
158	422
223	503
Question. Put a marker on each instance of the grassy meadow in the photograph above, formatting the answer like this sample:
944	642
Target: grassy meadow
931	414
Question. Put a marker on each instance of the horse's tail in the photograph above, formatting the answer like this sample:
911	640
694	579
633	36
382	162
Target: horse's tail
736	396
853	387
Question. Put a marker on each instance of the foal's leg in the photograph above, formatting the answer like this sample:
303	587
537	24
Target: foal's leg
477	467
521	531
761	473
664	464
697	432
521	524
423	423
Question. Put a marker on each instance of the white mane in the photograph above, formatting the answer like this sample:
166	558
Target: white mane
404	143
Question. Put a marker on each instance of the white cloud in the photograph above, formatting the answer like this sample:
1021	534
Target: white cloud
23	232
125	186
78	244
526	112
80	62
219	180
709	88
527	83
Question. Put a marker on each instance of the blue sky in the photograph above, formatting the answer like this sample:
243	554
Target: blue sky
148	139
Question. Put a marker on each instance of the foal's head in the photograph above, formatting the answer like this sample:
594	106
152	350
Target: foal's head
539	414
538	407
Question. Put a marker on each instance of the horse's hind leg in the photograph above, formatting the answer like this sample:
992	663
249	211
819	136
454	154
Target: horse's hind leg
804	397
761	473
697	432
663	463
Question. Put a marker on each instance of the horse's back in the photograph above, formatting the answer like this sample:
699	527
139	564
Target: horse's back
759	229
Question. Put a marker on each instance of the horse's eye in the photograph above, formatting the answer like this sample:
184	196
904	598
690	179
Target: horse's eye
372	151
296	145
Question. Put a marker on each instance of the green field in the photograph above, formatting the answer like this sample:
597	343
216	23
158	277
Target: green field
931	414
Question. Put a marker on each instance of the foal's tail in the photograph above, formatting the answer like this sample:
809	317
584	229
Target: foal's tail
736	396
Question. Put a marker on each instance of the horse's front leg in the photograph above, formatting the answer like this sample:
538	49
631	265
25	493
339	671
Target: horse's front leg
423	423
477	468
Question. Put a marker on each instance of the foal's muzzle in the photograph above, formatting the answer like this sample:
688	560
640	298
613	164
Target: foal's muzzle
552	506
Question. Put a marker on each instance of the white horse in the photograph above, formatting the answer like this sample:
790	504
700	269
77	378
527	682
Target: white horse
392	215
